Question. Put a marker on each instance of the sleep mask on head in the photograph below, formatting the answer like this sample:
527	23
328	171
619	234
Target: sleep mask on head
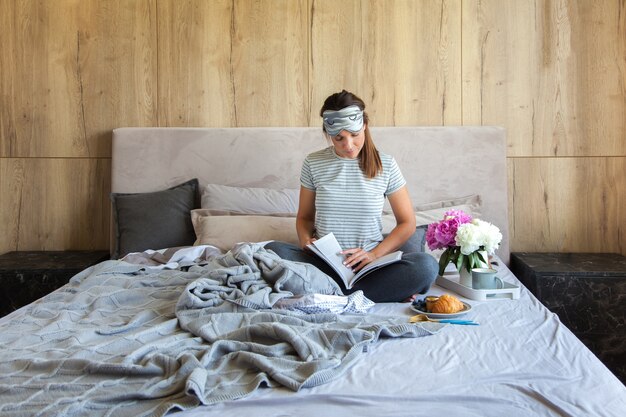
349	118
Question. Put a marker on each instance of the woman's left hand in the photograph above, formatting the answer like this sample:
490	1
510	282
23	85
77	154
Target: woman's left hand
357	258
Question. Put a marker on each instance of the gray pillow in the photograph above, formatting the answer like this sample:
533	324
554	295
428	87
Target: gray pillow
416	242
154	220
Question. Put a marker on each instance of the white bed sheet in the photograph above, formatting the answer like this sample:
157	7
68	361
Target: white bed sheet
520	361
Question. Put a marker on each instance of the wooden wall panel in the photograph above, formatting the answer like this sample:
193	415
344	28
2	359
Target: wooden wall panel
402	57
270	62
552	72
11	186
568	204
41	93
73	70
116	68
55	204
8	133
235	63
195	79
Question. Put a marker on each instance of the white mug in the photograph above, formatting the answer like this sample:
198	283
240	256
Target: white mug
486	279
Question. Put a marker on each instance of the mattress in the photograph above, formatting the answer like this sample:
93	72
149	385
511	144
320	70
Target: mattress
520	360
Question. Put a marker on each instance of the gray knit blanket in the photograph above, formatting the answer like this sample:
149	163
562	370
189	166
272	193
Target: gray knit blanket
119	340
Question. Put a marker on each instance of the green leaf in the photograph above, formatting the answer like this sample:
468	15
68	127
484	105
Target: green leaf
444	261
481	257
459	261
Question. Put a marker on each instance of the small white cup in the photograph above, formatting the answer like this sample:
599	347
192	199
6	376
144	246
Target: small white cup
486	279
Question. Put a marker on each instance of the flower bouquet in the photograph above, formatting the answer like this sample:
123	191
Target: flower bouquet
466	242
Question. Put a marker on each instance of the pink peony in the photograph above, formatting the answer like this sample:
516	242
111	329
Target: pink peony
441	235
461	216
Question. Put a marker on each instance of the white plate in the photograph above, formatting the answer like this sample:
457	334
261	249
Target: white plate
466	309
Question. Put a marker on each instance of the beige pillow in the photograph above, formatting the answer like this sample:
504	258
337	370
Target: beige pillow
225	200
225	231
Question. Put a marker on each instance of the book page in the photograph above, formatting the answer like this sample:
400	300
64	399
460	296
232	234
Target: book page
380	262
329	250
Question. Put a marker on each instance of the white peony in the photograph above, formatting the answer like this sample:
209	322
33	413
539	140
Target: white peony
491	236
468	238
471	236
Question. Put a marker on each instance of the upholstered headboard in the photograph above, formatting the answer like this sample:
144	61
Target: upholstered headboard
439	163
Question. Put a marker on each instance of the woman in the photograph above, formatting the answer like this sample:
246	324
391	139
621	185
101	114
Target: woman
343	189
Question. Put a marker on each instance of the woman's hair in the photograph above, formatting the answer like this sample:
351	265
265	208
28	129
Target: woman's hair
369	160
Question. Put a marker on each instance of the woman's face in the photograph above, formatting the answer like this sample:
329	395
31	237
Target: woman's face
348	144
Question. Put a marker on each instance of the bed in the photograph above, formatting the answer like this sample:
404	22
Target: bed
174	327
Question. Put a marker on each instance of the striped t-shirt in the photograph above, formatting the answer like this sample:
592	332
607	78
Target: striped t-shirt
348	203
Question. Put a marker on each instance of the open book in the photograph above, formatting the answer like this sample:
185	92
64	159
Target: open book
329	250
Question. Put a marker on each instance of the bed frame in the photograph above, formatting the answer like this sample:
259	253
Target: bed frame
439	163
119	318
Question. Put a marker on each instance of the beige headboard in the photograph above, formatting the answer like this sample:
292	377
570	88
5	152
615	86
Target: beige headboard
439	163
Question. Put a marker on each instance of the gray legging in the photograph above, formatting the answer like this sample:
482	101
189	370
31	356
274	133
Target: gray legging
413	274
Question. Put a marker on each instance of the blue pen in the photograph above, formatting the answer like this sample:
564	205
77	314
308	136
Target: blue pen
465	322
424	317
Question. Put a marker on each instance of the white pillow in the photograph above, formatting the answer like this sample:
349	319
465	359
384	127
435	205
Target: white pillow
472	201
225	200
225	231
210	212
426	217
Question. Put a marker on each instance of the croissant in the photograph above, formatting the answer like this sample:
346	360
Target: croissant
445	304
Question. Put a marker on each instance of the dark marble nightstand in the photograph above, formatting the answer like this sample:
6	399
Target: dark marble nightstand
588	292
27	276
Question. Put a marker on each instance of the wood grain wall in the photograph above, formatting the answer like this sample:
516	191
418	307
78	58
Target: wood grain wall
553	72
